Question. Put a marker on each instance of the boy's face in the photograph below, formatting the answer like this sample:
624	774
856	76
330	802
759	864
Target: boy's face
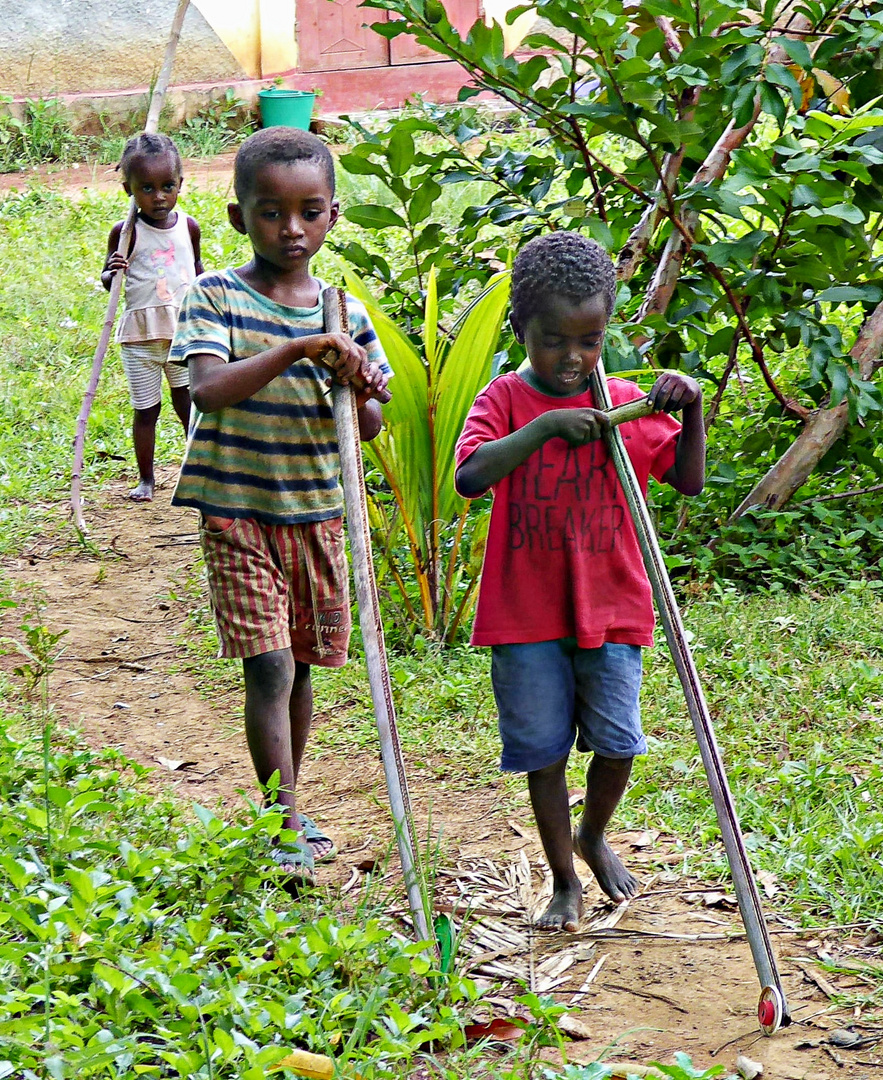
287	214
154	183
563	343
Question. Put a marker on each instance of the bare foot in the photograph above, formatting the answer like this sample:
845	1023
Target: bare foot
605	864
142	493
565	909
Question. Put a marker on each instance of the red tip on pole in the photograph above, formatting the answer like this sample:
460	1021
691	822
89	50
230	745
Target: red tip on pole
766	1013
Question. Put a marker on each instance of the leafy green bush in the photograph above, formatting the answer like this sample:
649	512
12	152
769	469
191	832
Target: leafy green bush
44	134
735	168
137	939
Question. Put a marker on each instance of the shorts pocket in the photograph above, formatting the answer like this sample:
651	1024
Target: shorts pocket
215	526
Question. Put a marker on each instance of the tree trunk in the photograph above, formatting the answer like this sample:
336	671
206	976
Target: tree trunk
823	428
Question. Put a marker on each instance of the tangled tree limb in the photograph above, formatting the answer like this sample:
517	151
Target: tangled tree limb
823	428
157	100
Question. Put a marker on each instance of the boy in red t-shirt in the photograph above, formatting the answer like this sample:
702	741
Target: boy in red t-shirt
565	602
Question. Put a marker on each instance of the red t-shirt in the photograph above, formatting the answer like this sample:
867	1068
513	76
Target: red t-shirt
562	557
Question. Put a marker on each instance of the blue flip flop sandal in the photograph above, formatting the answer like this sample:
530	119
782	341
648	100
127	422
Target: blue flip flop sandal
314	835
300	855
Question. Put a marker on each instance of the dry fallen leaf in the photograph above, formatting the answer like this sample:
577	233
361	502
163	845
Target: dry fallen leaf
748	1068
575	1027
713	899
174	766
768	882
497	1029
313	1066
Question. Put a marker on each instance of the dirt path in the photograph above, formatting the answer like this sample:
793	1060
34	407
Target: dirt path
72	179
123	682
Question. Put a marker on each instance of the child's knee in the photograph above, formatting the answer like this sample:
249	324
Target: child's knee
616	764
149	415
271	675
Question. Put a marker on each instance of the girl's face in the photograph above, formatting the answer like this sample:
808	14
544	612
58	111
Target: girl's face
563	343
154	183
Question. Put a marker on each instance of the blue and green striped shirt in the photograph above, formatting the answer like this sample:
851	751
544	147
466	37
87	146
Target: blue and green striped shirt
274	456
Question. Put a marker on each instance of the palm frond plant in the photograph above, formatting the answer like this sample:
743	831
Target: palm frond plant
434	387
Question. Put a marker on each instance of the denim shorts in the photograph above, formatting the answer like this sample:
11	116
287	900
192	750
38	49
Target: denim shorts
550	692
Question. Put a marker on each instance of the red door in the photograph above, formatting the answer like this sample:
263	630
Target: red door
334	35
405	50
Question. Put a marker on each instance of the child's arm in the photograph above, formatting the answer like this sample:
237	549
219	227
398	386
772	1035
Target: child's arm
113	262
497	458
196	241
215	384
671	392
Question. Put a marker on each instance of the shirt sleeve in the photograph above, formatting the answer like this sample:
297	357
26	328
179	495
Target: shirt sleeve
488	420
363	333
203	323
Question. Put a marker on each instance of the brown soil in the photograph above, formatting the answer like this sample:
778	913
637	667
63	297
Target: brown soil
72	179
122	681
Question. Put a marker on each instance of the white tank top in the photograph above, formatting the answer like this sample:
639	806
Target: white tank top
161	267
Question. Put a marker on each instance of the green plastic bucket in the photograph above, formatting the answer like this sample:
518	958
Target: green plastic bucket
286	108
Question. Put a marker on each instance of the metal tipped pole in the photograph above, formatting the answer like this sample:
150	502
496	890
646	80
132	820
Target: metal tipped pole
772	1009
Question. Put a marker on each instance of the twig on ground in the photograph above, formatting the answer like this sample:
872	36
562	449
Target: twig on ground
645	994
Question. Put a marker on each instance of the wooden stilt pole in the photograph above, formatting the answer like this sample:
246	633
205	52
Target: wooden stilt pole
344	406
157	99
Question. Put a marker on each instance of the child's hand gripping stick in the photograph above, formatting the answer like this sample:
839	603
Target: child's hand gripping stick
629	410
357	380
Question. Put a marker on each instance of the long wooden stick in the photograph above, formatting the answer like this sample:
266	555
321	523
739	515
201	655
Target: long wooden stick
157	99
344	405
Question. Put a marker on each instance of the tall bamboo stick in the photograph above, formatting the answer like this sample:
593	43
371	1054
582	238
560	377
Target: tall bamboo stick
346	420
157	99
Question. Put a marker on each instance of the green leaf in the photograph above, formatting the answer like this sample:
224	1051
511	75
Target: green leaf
359	165
797	50
842	294
373	216
423	199
466	370
400	152
403	450
771	102
444	936
781	76
430	325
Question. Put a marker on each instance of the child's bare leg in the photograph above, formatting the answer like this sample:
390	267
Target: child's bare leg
606	780
144	438
181	404
548	796
269	681
300	714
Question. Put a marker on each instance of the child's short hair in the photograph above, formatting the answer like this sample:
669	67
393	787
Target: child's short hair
143	145
560	264
278	146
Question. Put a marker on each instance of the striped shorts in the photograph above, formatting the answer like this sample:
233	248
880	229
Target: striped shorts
279	587
144	363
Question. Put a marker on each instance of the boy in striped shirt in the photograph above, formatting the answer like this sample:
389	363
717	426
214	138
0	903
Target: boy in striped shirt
262	464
